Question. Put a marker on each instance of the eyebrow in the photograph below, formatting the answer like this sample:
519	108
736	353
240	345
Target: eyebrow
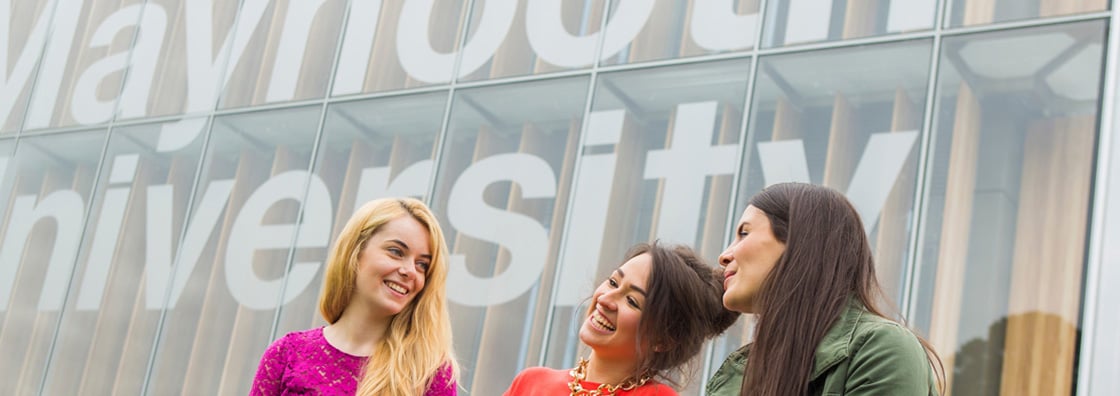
632	286
405	246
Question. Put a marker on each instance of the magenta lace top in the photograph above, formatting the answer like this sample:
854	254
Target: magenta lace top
303	362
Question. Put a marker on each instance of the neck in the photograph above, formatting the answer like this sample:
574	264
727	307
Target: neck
605	370
357	331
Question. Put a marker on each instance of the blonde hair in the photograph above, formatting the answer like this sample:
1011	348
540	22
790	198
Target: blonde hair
417	344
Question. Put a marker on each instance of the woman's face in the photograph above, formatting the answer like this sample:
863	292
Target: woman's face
748	260
611	328
392	266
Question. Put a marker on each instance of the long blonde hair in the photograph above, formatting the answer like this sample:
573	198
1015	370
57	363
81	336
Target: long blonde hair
417	344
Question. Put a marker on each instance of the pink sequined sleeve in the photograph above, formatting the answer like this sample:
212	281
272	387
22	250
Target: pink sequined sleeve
443	385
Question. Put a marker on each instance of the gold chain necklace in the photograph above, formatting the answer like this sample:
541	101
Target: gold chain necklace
580	372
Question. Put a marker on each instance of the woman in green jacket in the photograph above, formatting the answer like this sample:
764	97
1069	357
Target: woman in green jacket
801	262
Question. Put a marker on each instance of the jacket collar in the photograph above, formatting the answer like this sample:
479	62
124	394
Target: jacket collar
837	342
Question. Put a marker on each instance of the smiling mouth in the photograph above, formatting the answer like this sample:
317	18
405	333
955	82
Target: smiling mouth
601	323
727	278
396	287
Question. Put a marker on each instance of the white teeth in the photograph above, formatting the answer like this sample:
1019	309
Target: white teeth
602	322
397	288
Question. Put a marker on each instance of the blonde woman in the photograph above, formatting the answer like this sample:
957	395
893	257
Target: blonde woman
384	297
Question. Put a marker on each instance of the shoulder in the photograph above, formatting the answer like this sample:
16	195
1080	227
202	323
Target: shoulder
443	383
887	355
537	380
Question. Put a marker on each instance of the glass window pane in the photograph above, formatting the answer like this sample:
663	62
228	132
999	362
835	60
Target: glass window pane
1004	241
369	149
189	61
110	318
231	268
391	45
80	79
790	22
25	34
51	180
640	31
288	55
979	12
501	191
541	37
855	128
640	178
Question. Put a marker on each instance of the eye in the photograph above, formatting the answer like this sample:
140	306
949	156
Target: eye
633	302
612	282
741	233
395	251
422	266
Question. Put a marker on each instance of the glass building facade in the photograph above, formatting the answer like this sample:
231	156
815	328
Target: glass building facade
172	172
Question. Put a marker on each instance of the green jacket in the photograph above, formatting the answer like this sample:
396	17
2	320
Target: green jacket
862	354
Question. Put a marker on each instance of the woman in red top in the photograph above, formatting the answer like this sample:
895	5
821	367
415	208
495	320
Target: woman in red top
645	322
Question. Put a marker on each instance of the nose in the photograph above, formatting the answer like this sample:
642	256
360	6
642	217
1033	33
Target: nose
725	257
607	300
407	270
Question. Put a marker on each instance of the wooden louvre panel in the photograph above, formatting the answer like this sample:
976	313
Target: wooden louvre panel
1041	341
688	45
169	90
131	366
83	54
716	213
256	67
617	239
955	226
572	12
843	143
514	57
251	330
384	75
659	38
891	232
84	333
497	333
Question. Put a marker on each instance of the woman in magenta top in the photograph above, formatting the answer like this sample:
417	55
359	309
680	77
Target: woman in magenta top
384	297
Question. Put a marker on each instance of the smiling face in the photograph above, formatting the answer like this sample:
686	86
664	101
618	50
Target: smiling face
748	260
392	266
611	328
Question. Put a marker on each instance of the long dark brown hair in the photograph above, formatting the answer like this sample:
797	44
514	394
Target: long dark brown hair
827	261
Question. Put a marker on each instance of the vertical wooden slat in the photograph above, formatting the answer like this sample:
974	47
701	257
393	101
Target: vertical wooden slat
787	121
318	58
514	57
1047	8
719	190
841	158
978	12
860	17
659	37
572	15
1041	337
163	99
382	75
260	56
891	233
956	222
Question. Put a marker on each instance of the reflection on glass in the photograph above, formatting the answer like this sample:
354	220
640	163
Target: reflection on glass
190	60
541	37
640	178
805	21
50	184
854	128
234	259
398	44
85	87
501	192
289	53
1003	253
369	150
110	317
979	12
25	34
640	31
